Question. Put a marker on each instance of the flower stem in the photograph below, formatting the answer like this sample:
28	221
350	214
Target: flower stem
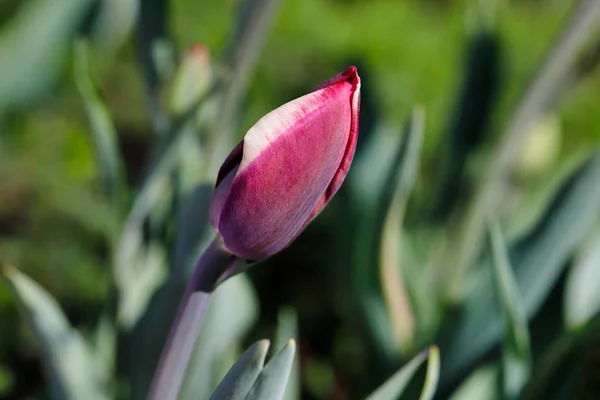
176	354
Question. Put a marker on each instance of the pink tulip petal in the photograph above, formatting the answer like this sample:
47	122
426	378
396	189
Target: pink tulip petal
294	159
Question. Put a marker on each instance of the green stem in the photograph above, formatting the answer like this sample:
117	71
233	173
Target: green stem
176	354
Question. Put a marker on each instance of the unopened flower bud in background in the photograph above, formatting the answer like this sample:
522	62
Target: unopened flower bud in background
286	169
191	81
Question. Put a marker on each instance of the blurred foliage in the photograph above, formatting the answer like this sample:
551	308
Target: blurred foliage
104	191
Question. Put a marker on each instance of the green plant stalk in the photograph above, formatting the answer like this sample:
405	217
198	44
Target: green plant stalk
178	349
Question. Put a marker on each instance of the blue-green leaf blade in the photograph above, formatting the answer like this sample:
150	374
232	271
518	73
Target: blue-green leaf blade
582	297
287	328
516	353
393	388
33	46
433	374
69	359
272	381
240	378
538	259
103	132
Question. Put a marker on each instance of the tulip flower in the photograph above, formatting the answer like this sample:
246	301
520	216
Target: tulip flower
278	178
286	169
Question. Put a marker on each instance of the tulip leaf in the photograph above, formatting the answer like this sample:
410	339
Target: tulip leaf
386	169
240	378
516	354
139	271
152	31
104	135
471	117
104	347
538	259
582	297
192	229
394	199
138	267
380	183
433	374
287	328
272	381
152	204
70	363
481	385
395	386
113	24
547	80
33	45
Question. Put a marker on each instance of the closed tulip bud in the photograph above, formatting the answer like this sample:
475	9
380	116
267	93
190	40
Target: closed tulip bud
286	169
191	80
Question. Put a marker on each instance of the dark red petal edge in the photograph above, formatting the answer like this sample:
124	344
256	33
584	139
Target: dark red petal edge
349	75
233	159
344	167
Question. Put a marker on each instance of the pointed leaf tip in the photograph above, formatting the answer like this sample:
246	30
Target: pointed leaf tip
243	374
272	381
433	373
394	387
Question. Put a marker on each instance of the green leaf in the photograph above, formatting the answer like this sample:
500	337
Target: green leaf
380	184
481	385
103	133
135	281
138	272
516	353
287	328
394	199
492	189
582	297
152	32
538	260
33	46
393	388
104	347
193	231
470	119
433	374
387	167
271	383
69	360
240	378
113	24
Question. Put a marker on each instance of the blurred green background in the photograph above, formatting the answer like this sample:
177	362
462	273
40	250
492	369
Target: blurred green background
57	225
